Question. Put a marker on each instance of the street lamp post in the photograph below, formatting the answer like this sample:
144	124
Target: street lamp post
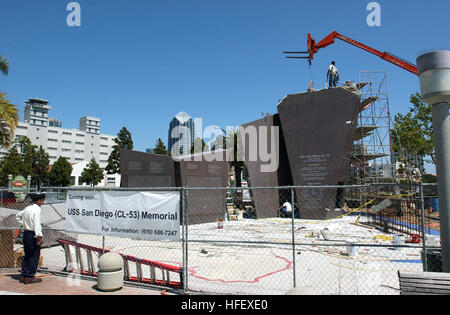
434	74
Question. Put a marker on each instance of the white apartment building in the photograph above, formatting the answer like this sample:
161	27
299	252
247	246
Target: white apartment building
109	181
77	145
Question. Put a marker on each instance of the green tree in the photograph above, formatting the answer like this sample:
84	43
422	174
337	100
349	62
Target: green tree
229	141
35	161
413	132
9	114
11	164
236	163
160	148
28	160
28	152
92	174
123	141
60	173
9	119
40	167
429	178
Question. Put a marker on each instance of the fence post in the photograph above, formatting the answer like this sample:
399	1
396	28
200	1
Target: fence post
10	182
293	238
424	230
185	209
183	237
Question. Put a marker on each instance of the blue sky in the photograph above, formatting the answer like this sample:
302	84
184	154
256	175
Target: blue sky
138	63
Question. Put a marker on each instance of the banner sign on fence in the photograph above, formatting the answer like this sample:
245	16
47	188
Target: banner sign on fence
141	215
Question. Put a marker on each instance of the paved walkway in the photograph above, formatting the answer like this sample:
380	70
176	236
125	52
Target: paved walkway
58	285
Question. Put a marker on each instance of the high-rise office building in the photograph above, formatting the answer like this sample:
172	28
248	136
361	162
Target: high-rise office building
181	131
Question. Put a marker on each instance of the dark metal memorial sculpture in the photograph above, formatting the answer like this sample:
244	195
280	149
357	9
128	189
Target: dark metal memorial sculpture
319	129
139	169
204	170
268	129
312	134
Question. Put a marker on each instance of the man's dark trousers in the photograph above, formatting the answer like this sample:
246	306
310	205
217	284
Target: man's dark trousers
32	254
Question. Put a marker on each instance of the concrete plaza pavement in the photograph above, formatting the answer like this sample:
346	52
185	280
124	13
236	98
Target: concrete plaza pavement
60	285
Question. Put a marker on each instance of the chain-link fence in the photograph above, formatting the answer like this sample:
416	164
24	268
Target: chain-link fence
327	240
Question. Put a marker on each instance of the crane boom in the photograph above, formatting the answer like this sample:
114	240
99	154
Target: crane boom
314	47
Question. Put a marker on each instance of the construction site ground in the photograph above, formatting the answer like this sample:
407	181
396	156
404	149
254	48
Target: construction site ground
253	256
256	257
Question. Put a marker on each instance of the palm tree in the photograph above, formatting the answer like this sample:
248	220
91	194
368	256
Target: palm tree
233	139
9	114
9	119
230	140
4	66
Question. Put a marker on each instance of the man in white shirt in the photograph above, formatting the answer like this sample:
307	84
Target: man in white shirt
332	75
285	210
30	219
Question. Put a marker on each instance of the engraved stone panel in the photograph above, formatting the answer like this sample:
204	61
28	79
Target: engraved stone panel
204	205
139	169
267	201
319	128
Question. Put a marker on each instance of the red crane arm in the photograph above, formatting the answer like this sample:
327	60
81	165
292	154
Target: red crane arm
313	48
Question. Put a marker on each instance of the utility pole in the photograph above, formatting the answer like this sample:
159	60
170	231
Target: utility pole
434	74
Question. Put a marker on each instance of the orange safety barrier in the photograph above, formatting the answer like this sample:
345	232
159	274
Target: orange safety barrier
165	268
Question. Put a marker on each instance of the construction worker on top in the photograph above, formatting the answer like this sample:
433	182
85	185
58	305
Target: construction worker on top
332	75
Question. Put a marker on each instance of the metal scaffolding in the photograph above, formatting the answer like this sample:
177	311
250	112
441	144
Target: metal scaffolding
372	161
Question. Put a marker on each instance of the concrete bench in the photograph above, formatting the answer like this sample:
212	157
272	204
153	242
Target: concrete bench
424	283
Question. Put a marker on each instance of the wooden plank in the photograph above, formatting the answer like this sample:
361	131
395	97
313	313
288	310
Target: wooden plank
426	283
426	279
415	293
426	291
425	286
429	282
425	275
442	278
